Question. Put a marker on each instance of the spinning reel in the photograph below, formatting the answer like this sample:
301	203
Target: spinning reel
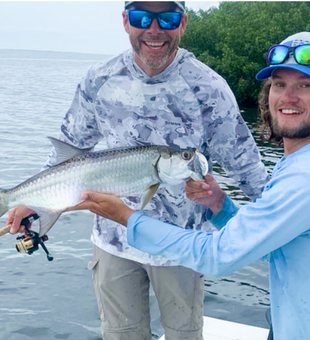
30	242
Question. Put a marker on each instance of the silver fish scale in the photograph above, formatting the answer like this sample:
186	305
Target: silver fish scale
122	172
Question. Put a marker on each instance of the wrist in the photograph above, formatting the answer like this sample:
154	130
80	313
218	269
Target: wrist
123	218
217	207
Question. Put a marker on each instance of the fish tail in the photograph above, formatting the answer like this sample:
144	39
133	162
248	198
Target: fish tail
3	202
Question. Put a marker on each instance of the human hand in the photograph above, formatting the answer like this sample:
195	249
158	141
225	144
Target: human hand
105	205
15	216
206	192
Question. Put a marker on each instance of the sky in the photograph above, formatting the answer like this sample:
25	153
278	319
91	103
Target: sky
68	26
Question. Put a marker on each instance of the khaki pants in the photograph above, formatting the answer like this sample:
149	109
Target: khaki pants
122	291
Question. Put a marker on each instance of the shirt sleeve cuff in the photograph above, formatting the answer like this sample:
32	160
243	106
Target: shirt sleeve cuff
228	211
132	221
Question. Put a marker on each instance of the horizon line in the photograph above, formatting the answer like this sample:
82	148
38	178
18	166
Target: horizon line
50	51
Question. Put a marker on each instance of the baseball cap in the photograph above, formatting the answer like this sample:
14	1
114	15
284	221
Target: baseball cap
297	39
180	4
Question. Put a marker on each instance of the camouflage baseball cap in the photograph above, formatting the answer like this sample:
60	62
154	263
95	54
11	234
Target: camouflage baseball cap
180	4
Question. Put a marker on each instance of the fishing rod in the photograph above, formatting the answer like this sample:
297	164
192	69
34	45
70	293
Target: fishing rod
29	242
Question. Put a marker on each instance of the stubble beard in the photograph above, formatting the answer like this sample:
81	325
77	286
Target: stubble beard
303	131
154	60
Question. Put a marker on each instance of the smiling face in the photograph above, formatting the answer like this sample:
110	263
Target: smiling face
154	47
289	103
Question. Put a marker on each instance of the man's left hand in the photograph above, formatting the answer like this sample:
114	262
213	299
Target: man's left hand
206	192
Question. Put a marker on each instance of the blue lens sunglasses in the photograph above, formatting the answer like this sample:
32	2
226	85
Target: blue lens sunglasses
165	20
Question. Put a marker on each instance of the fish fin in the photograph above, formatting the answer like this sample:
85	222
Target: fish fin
47	219
66	151
149	193
3	204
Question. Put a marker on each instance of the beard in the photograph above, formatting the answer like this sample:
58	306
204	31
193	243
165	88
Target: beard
155	60
303	131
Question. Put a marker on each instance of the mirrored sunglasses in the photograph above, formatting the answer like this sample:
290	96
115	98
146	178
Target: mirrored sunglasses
279	53
165	20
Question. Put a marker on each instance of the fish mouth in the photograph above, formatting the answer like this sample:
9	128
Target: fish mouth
200	167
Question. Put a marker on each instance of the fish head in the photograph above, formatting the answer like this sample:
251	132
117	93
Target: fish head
177	165
201	166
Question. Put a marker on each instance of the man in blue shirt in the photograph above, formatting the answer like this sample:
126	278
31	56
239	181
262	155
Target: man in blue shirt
276	225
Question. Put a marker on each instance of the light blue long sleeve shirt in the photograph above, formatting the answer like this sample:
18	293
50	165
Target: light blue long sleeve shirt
277	223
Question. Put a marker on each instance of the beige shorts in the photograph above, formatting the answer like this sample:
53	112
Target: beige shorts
122	291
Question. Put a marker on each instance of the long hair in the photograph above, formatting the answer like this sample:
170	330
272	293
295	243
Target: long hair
265	128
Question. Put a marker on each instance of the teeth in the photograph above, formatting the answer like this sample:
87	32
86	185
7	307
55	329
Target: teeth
155	44
290	111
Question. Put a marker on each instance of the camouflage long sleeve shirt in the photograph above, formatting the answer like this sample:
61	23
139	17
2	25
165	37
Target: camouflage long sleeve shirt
187	105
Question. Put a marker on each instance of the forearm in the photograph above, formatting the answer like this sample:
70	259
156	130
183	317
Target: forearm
197	250
219	218
158	238
216	254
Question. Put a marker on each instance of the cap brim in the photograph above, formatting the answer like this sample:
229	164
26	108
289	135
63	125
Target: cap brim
178	3
267	71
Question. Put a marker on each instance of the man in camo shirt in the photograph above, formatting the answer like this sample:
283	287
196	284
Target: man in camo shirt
156	93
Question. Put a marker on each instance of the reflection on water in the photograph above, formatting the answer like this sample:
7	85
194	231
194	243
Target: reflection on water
55	300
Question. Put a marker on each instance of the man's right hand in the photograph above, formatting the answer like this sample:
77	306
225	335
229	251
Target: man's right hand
106	205
15	217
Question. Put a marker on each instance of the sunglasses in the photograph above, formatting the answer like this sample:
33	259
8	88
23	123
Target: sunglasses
279	53
165	20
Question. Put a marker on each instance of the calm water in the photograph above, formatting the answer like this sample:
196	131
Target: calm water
55	300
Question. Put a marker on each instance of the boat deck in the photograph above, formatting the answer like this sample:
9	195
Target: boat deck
215	329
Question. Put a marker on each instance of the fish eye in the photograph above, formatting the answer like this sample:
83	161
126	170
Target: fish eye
186	155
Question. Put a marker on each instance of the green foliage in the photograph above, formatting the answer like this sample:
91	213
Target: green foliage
234	38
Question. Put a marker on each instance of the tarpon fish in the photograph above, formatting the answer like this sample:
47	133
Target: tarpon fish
136	171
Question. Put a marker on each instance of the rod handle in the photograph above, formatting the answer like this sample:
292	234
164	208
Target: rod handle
6	229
